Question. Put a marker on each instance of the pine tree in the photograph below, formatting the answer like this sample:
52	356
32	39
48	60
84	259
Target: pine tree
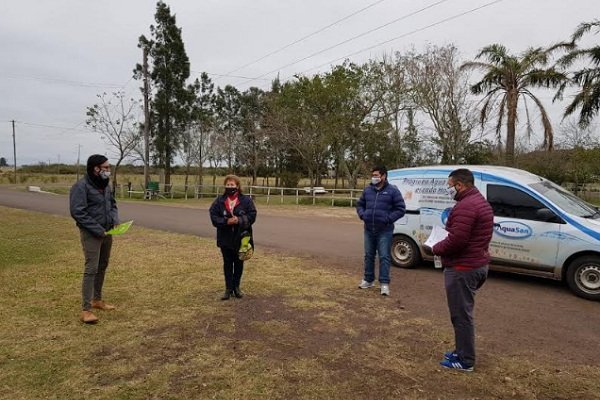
171	102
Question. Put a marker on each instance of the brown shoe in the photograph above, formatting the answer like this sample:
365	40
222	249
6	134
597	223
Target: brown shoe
87	317
101	305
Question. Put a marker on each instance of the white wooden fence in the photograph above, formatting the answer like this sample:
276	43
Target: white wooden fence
271	195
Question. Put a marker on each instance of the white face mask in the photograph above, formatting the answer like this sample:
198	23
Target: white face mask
104	174
452	192
375	180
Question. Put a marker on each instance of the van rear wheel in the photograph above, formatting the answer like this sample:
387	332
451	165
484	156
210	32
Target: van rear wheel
405	253
583	277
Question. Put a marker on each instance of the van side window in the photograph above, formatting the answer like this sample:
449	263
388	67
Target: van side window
514	203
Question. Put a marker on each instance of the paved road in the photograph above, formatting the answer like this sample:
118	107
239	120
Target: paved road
296	235
515	315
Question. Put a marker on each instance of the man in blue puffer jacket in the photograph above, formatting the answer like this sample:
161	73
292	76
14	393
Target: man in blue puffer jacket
379	206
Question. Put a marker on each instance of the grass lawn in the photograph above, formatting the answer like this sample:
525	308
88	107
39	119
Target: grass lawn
303	331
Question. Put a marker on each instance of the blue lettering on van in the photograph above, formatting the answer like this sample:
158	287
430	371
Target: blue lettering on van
513	230
429	211
563	236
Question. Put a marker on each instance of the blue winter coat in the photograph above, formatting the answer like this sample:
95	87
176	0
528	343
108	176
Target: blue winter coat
380	208
230	236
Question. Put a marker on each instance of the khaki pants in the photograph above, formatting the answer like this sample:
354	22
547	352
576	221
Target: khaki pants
96	252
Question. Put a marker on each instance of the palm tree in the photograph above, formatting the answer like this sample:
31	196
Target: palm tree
587	99
507	79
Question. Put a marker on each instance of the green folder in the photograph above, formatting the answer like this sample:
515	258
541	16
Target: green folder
120	229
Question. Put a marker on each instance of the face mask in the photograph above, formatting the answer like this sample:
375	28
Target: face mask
375	180
452	192
104	174
230	191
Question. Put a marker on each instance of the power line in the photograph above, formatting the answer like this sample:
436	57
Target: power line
76	128
225	75
306	37
406	34
351	39
35	124
65	81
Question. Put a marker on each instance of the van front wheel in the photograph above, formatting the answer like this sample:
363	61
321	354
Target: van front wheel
583	277
405	253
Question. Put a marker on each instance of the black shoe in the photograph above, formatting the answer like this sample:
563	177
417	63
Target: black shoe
238	293
226	295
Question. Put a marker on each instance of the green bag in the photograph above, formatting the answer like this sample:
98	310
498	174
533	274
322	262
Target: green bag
246	251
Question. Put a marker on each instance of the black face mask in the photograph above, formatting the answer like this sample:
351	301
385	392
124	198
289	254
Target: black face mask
230	191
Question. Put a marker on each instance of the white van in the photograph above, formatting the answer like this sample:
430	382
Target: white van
540	228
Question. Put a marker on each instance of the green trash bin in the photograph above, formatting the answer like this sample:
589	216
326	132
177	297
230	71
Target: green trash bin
152	190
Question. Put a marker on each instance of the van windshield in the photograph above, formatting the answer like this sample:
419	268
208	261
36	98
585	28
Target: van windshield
565	199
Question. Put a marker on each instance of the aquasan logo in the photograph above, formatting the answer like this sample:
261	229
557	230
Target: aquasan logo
513	230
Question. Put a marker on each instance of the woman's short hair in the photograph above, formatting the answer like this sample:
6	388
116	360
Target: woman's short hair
234	178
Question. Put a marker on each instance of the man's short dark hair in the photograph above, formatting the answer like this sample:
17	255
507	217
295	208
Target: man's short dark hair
381	169
94	161
463	175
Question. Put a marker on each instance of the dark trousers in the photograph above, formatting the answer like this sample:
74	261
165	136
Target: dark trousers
233	268
460	292
96	252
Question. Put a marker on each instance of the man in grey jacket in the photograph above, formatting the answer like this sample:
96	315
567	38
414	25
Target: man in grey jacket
94	209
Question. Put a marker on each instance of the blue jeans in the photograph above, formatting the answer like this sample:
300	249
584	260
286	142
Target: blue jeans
380	243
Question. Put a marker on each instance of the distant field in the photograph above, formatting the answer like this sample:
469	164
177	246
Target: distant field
60	183
137	180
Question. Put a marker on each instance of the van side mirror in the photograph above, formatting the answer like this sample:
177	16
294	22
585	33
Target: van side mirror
547	215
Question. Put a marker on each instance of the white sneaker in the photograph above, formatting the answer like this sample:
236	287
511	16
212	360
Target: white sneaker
385	289
365	285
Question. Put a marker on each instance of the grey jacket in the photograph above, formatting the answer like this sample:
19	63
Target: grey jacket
93	209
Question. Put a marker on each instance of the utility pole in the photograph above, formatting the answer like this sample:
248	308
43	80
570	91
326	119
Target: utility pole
146	120
78	155
14	150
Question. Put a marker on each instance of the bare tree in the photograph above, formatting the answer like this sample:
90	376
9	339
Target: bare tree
115	118
440	90
228	122
215	152
203	121
572	136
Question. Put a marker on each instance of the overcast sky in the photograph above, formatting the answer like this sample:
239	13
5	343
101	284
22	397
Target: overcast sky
56	56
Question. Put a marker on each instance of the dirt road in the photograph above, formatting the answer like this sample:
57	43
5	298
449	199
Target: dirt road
515	315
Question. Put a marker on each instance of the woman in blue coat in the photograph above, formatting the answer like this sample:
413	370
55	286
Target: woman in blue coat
233	214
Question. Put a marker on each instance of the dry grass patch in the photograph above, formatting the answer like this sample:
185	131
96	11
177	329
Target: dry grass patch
303	331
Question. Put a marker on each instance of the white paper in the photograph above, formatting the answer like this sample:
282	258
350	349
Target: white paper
437	235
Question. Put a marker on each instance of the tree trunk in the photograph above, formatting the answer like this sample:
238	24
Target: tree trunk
200	174
511	127
187	174
115	184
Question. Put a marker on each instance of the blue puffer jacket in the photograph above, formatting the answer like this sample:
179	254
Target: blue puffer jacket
380	208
